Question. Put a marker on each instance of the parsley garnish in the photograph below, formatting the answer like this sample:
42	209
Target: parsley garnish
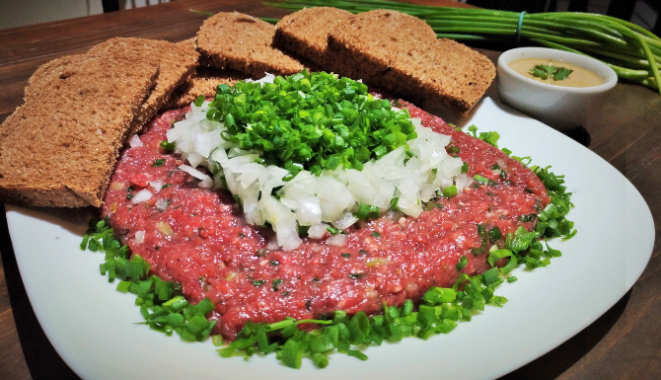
557	73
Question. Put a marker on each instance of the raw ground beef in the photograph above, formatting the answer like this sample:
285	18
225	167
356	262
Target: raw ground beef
201	240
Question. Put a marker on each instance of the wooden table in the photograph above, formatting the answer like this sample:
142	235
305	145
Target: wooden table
625	343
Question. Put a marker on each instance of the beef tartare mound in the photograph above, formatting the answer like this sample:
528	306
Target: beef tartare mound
199	237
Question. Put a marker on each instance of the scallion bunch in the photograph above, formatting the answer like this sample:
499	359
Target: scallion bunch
630	50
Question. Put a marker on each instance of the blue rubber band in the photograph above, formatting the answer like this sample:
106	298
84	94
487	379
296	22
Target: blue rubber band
518	28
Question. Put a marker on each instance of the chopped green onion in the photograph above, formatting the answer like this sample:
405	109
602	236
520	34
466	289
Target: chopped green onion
168	145
158	163
481	179
200	99
463	261
450	191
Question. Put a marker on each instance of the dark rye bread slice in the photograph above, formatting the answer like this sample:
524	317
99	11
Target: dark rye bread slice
204	81
304	34
177	63
400	53
240	42
59	148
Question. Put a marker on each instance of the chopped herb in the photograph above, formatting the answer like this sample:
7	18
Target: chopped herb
337	125
258	283
158	163
276	283
495	234
481	179
465	168
166	186
367	211
129	196
527	218
557	73
463	261
346	255
362	252
562	73
200	99
355	276
274	262
450	191
511	279
482	233
542	71
376	234
168	145
335	231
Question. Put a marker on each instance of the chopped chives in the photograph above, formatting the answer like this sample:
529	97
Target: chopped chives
450	191
463	261
339	124
168	145
480	179
158	163
200	99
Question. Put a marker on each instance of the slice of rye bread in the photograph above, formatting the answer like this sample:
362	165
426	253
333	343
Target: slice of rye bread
59	148
304	35
177	63
204	81
240	42
401	54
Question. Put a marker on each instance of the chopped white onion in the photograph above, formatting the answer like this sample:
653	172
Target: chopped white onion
161	204
318	230
135	141
339	240
345	221
156	185
207	182
141	196
140	237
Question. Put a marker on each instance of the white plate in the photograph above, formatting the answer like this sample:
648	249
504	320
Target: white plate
93	328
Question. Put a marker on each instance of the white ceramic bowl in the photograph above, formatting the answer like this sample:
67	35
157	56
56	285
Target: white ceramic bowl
560	107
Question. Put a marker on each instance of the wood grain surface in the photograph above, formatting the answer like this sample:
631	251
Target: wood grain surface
625	343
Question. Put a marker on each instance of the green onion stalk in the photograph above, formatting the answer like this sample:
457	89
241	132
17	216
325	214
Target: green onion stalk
630	50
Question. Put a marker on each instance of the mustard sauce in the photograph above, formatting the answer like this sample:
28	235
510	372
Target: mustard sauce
579	77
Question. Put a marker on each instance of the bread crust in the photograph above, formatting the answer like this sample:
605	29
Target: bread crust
177	64
59	148
401	54
204	82
304	35
389	50
244	43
